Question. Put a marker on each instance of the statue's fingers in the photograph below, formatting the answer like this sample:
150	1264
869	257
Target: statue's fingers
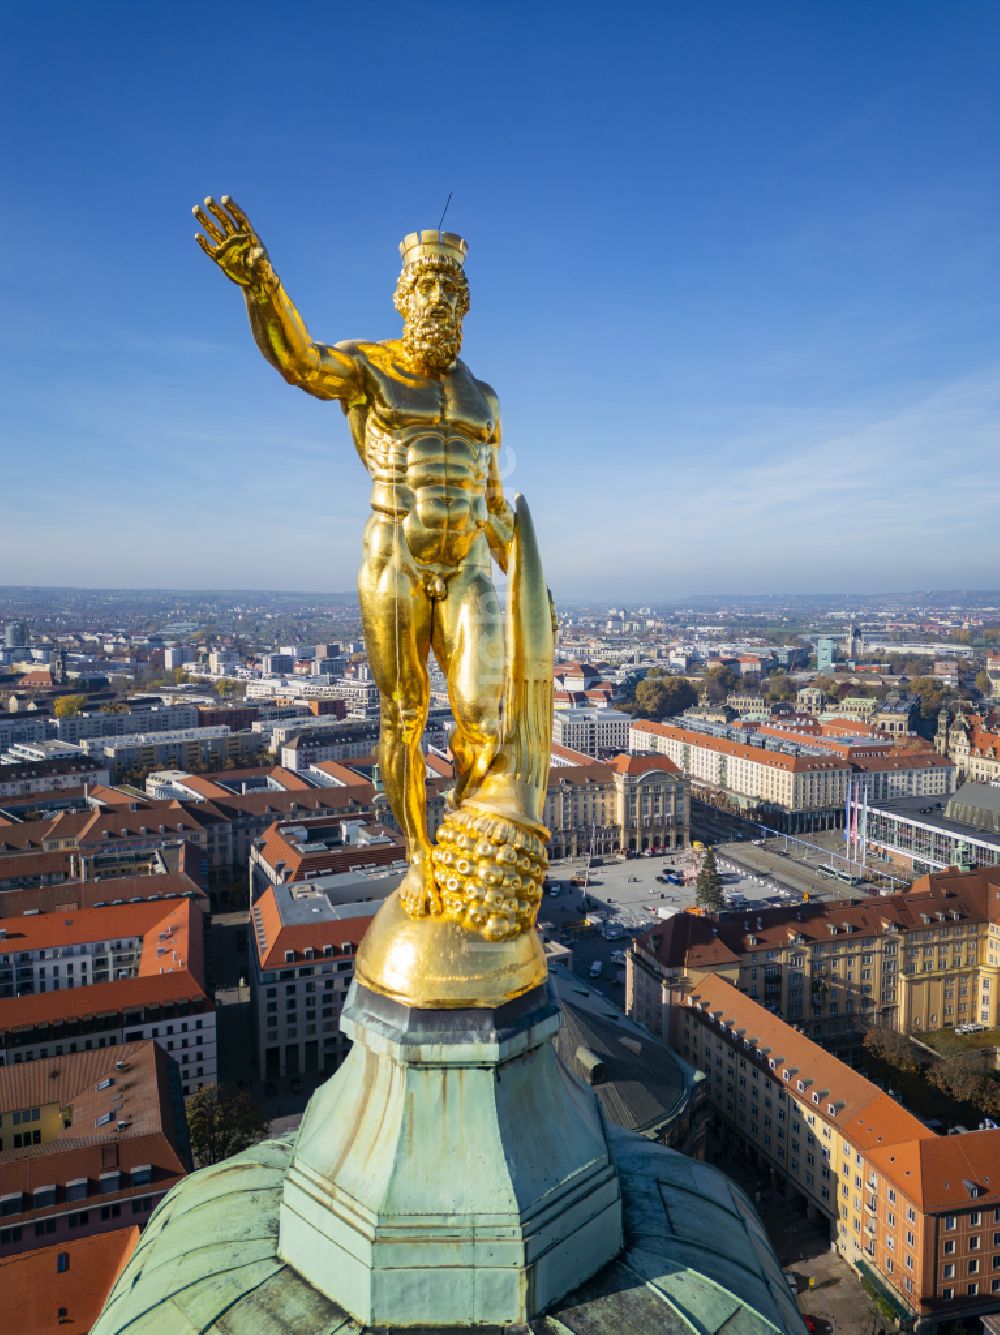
219	212
241	218
213	230
205	244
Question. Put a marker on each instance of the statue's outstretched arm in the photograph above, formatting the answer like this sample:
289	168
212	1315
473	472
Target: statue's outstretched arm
279	330
500	526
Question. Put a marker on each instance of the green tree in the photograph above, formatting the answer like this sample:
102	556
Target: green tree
227	686
222	1121
662	697
827	685
932	695
708	887
983	683
892	1046
68	706
180	677
963	1077
718	682
779	687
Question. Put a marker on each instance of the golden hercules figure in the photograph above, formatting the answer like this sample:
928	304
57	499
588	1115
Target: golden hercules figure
428	432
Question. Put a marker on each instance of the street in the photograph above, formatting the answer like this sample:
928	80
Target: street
827	1289
227	959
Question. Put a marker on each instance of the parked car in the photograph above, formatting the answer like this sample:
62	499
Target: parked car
596	969
618	957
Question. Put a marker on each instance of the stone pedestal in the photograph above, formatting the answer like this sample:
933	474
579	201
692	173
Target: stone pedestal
451	1172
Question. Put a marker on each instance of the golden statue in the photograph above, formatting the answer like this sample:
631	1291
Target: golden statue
428	432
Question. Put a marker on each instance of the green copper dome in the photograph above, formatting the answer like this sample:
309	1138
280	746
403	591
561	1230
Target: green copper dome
696	1259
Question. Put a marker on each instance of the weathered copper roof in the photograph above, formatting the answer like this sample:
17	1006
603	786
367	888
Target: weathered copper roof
696	1257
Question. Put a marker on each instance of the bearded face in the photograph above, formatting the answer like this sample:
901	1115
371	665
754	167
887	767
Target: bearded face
432	299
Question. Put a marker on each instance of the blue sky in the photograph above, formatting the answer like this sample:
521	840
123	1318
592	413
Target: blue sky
734	268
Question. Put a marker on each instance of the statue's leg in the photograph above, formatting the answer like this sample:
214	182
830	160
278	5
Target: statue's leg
396	616
467	636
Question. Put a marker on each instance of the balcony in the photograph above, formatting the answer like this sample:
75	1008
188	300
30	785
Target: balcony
872	1207
870	1230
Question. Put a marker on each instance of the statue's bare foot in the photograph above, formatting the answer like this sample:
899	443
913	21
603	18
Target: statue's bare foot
418	893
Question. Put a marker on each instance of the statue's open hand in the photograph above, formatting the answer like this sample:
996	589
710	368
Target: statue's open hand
231	242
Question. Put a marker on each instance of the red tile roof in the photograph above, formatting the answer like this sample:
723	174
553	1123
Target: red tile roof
639	765
141	1131
66	895
84	925
862	1112
171	966
937	1174
302	861
686	939
82	1003
289	780
277	938
574	757
776	759
36	1285
36	866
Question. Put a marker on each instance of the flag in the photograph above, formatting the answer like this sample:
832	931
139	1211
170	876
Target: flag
854	822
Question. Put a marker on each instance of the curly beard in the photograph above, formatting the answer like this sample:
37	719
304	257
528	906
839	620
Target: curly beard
432	341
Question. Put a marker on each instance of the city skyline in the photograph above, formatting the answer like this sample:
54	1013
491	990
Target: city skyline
779	375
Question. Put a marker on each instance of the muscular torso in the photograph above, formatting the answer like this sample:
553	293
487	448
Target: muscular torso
426	444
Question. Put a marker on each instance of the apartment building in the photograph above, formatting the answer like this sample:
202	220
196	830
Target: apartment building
950	1184
68	895
916	1214
749	704
593	731
187	748
137	717
89	1143
94	978
38	752
301	850
791	787
652	803
235	717
893	720
360	696
48	776
26	727
107	840
924	959
972	742
880	767
317	739
301	966
580	807
809	700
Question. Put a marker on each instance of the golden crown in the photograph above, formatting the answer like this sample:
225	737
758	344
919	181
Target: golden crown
416	246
